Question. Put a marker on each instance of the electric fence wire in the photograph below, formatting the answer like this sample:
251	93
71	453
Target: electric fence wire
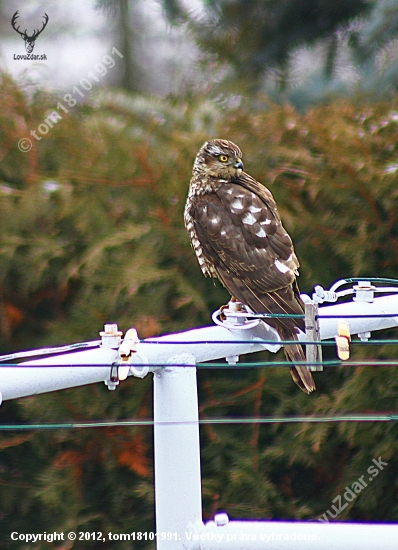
218	365
392	417
49	351
5	360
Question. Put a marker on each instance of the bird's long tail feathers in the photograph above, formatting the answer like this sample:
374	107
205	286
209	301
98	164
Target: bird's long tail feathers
300	373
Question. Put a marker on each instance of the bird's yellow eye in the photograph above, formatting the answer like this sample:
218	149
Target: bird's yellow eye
223	158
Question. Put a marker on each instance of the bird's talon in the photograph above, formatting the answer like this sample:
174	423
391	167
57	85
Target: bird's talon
222	316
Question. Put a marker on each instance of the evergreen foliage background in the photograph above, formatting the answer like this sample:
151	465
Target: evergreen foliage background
92	232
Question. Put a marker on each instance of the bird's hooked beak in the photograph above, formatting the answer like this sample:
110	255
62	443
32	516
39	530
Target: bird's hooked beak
238	164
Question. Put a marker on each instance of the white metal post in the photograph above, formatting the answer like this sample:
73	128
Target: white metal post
176	432
36	376
177	454
298	535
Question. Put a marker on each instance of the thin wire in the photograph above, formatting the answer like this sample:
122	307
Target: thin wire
49	351
267	342
35	353
270	342
356	279
393	417
370	342
358	316
349	280
271	364
264	420
302	316
96	343
371	279
211	365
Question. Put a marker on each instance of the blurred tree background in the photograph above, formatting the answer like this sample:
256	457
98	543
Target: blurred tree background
92	232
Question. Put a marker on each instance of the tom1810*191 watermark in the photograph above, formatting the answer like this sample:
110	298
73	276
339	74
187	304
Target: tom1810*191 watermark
69	100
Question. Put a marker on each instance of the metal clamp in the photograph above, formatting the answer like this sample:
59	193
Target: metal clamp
235	316
110	338
127	353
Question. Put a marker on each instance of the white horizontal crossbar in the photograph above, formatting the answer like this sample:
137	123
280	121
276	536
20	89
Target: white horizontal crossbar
57	372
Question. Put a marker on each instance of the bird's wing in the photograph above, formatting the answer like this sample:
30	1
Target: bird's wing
240	232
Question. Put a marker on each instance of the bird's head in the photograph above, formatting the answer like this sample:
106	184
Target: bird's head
219	158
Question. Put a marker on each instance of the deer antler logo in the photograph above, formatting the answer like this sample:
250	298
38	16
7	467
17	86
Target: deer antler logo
29	40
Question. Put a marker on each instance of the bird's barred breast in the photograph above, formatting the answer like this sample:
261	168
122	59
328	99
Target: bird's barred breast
197	188
233	225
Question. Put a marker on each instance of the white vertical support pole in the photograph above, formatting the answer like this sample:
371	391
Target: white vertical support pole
177	454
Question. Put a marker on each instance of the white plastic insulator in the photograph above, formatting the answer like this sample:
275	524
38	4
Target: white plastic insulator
364	292
138	371
321	295
221	519
235	321
110	336
111	329
234	306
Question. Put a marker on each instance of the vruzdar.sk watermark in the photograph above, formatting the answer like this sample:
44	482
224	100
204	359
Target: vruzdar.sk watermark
69	100
351	492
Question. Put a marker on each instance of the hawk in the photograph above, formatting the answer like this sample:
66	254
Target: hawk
238	237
